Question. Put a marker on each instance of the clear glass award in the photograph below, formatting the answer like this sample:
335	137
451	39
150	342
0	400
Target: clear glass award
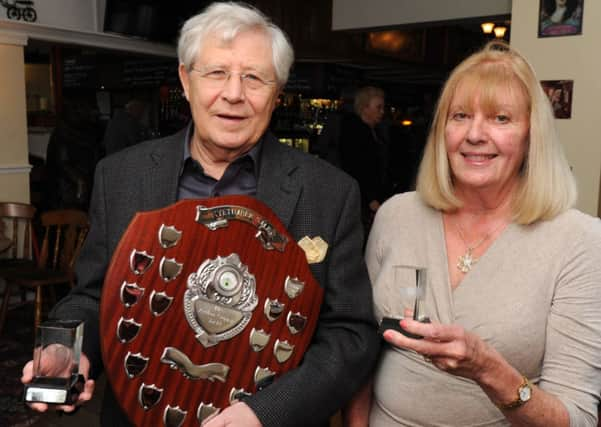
56	354
412	294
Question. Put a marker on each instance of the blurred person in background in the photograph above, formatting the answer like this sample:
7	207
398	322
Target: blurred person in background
364	150
126	127
73	150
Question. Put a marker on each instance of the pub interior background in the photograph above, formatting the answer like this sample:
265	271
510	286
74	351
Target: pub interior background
340	45
73	86
73	91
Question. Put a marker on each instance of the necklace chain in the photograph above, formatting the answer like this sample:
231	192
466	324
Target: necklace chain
466	261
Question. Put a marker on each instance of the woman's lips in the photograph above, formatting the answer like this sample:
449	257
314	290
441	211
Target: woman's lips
478	157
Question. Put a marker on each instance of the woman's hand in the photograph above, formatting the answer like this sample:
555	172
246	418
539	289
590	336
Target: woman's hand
453	349
449	347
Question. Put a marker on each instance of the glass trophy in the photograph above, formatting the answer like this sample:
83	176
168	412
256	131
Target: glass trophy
412	299
56	378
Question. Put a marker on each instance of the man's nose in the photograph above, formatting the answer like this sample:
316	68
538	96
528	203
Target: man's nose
233	89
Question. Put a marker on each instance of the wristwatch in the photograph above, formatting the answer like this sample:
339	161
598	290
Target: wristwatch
524	393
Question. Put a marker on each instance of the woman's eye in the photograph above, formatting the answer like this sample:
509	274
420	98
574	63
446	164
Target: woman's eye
501	118
459	116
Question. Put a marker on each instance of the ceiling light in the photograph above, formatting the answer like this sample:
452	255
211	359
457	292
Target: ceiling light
487	27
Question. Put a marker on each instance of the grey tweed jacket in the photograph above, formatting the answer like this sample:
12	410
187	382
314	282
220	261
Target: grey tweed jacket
311	198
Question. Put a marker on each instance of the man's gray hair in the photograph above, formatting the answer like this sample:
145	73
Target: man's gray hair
364	95
227	20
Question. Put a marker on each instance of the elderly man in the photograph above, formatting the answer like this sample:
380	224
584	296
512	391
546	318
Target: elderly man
364	150
233	64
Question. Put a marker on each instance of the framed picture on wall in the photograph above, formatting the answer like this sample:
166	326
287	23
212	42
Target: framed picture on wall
560	94
560	18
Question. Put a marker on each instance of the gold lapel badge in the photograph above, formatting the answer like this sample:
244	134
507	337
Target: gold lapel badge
315	248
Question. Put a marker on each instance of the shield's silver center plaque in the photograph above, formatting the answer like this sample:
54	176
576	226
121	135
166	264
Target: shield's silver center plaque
220	299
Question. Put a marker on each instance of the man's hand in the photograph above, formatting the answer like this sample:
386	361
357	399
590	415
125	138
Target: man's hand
55	361
239	414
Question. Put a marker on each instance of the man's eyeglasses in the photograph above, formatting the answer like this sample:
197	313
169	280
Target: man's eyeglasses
219	76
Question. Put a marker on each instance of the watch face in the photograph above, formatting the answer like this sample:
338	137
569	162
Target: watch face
525	393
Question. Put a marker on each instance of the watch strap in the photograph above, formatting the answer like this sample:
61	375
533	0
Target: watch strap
518	401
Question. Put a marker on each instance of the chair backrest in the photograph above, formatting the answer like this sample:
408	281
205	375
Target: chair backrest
64	233
17	217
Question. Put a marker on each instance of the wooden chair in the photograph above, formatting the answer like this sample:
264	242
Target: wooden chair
64	233
17	218
18	256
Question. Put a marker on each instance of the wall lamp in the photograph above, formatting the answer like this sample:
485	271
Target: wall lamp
487	27
490	27
500	31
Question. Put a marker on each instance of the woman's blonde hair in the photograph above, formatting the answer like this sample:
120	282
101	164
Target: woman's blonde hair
546	186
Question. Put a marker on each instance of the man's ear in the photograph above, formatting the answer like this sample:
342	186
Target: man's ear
276	97
184	78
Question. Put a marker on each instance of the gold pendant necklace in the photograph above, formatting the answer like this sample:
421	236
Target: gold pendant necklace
466	261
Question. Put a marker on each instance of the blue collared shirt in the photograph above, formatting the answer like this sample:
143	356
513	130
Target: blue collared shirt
240	177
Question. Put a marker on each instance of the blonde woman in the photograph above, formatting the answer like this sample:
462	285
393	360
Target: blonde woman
514	291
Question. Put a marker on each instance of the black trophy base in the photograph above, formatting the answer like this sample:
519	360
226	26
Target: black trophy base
57	391
393	323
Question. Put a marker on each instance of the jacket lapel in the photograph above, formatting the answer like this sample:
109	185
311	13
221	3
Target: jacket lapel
162	179
278	185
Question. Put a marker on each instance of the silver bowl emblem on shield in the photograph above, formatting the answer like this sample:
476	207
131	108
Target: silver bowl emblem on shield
220	299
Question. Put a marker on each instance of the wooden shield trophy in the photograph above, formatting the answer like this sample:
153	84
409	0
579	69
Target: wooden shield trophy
204	303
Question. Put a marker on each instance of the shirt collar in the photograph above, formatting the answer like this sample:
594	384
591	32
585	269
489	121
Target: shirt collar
254	153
